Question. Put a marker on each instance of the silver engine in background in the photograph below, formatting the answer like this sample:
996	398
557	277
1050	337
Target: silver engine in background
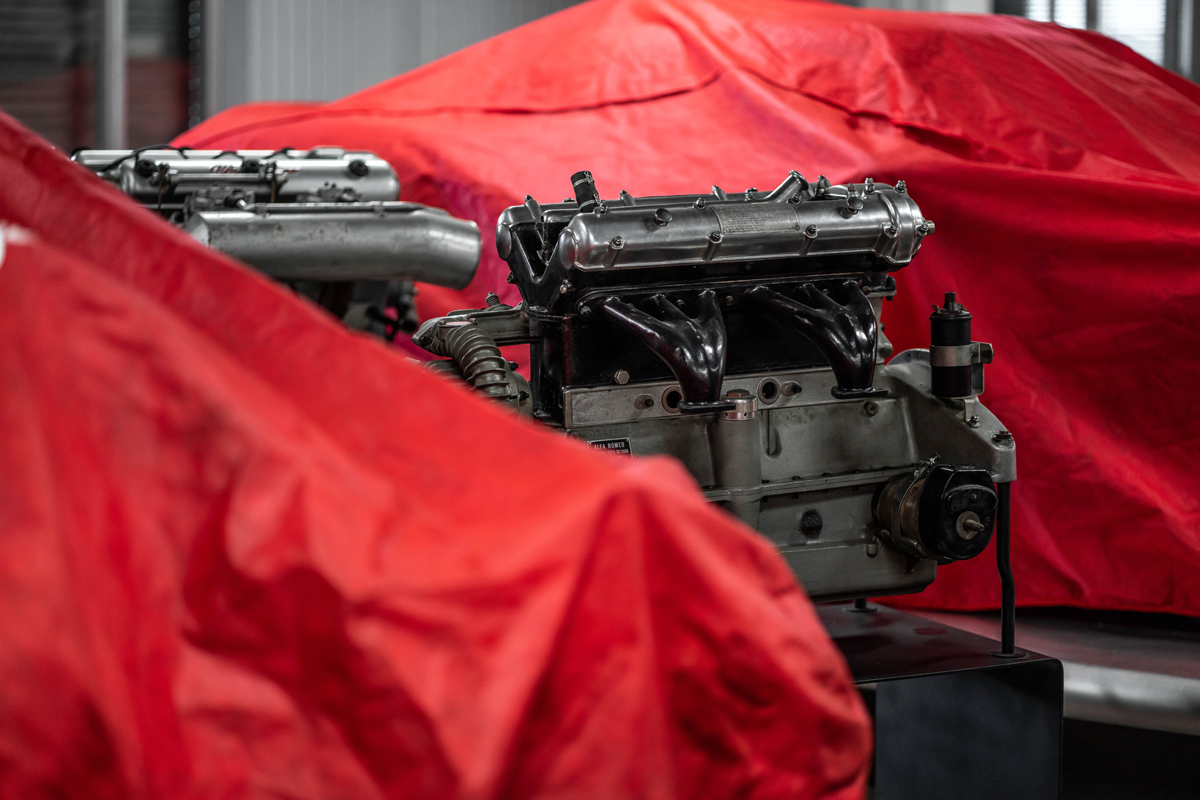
325	221
739	334
164	178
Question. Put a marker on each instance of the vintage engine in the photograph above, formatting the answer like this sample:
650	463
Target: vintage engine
740	334
324	221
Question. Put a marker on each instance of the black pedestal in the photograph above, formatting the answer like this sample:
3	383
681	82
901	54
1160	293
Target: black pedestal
951	719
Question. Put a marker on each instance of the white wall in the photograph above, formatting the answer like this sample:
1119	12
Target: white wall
325	49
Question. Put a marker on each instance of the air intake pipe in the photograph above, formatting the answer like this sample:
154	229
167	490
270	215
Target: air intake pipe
345	241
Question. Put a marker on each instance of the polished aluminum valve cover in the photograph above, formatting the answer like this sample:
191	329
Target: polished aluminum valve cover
165	178
719	228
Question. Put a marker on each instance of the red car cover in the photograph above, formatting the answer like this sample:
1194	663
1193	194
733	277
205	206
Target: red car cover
1061	168
245	552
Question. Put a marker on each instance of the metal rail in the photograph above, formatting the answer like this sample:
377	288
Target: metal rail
110	76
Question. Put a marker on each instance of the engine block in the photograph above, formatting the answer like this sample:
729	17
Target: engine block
740	334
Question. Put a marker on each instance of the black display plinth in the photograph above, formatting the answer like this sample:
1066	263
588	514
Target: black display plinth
952	720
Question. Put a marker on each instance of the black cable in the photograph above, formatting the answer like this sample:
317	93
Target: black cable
134	153
390	326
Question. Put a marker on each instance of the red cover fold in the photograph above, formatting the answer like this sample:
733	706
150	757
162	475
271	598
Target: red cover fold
1062	171
245	552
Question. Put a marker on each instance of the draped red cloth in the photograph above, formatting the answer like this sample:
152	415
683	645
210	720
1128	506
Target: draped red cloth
1061	169
245	552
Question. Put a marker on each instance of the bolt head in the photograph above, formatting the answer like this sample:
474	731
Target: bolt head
811	522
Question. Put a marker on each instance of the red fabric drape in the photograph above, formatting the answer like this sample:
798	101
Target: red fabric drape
1061	169
245	552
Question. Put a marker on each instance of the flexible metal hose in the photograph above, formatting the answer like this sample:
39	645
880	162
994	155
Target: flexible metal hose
478	356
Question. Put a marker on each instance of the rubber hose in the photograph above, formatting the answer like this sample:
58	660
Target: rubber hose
478	356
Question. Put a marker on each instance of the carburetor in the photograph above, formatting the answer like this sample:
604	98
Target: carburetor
324	221
739	333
